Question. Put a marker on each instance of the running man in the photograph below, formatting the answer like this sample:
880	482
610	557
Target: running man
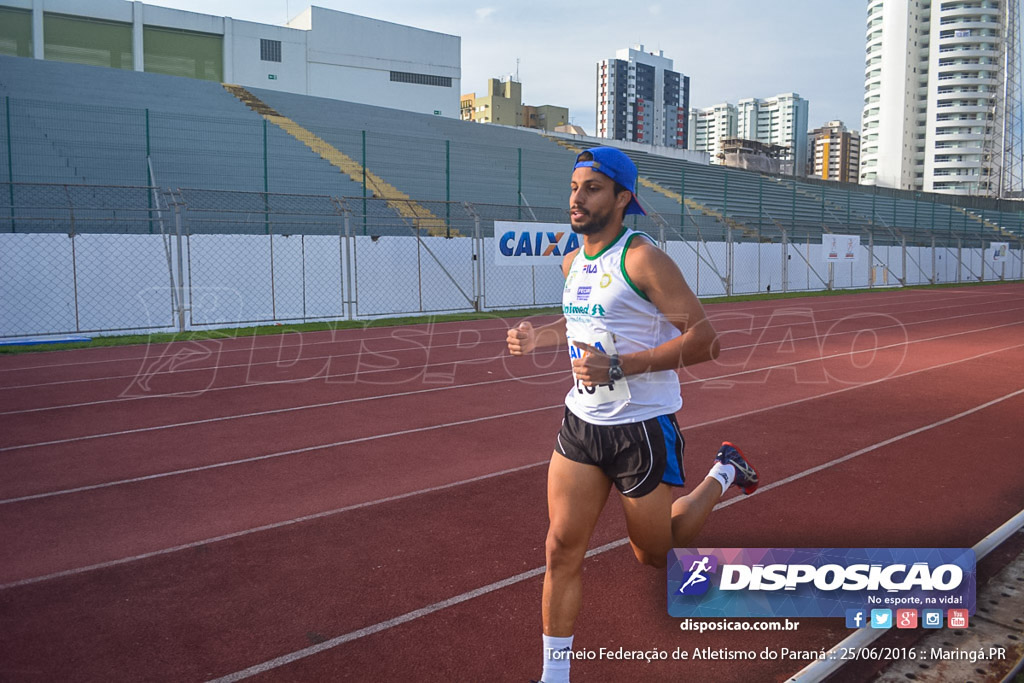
630	321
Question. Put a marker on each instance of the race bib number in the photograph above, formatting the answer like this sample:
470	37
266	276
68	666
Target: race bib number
599	394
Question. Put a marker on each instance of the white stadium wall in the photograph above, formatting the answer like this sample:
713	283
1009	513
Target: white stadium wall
53	284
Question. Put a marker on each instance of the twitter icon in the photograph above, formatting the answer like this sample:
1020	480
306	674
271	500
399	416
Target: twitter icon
881	618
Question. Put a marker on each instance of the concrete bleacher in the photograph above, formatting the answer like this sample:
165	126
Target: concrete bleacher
434	158
96	122
78	124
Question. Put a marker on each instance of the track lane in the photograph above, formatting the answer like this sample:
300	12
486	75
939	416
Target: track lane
336	575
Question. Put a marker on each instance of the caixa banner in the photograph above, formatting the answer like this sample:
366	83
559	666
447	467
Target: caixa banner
817	582
532	244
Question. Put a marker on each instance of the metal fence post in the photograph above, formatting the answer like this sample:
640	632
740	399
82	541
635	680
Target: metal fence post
364	182
728	259
959	260
10	163
181	268
349	263
903	275
447	189
982	277
934	277
519	184
682	205
149	173
478	257
785	260
871	259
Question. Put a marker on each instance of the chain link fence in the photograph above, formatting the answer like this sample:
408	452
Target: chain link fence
114	259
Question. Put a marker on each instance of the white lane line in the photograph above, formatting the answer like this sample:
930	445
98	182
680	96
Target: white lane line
276	411
266	527
428	349
537	571
279	454
228	463
468	325
402	368
471	361
165	551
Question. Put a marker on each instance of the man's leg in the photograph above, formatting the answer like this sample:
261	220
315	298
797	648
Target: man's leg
656	524
576	496
649	525
691	511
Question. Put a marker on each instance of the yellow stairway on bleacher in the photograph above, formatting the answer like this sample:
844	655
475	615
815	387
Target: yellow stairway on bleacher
1002	233
421	217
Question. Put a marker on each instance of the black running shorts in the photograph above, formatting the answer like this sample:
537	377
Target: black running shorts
636	456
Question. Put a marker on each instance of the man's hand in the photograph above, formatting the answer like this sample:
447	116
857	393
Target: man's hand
592	368
522	339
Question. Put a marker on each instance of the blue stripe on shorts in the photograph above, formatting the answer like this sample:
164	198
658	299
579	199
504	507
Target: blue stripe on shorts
673	465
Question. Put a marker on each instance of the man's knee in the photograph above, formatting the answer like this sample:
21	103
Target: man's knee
655	559
563	551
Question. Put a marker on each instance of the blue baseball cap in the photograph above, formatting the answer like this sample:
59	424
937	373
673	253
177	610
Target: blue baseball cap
617	166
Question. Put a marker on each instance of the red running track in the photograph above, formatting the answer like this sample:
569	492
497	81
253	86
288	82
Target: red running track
369	504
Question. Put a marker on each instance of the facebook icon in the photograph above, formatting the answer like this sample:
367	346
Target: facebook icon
856	618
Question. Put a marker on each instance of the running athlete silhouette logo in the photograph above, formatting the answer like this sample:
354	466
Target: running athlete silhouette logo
696	581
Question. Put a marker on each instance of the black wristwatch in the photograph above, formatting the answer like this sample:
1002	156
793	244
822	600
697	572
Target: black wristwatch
615	372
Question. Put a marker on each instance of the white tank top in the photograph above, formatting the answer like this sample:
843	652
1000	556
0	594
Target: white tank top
603	308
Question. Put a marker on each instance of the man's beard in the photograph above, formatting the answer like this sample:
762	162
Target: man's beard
595	224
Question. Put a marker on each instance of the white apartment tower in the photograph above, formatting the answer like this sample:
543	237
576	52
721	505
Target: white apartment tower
933	85
779	120
640	98
709	126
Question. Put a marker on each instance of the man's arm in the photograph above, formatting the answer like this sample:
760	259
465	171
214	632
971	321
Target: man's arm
524	338
657	276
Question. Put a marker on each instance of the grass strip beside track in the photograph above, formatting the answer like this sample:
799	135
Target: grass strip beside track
286	328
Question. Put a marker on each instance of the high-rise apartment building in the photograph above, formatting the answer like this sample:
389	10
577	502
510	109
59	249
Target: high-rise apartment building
780	120
933	82
709	126
640	98
834	153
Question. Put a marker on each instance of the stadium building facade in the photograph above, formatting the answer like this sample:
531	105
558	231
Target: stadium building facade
641	99
933	82
320	52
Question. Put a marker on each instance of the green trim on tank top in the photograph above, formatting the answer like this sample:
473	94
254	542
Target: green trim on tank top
622	264
600	253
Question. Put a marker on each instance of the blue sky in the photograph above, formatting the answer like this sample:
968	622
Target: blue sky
730	49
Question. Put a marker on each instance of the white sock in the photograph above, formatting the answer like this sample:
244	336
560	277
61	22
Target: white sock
723	474
556	659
